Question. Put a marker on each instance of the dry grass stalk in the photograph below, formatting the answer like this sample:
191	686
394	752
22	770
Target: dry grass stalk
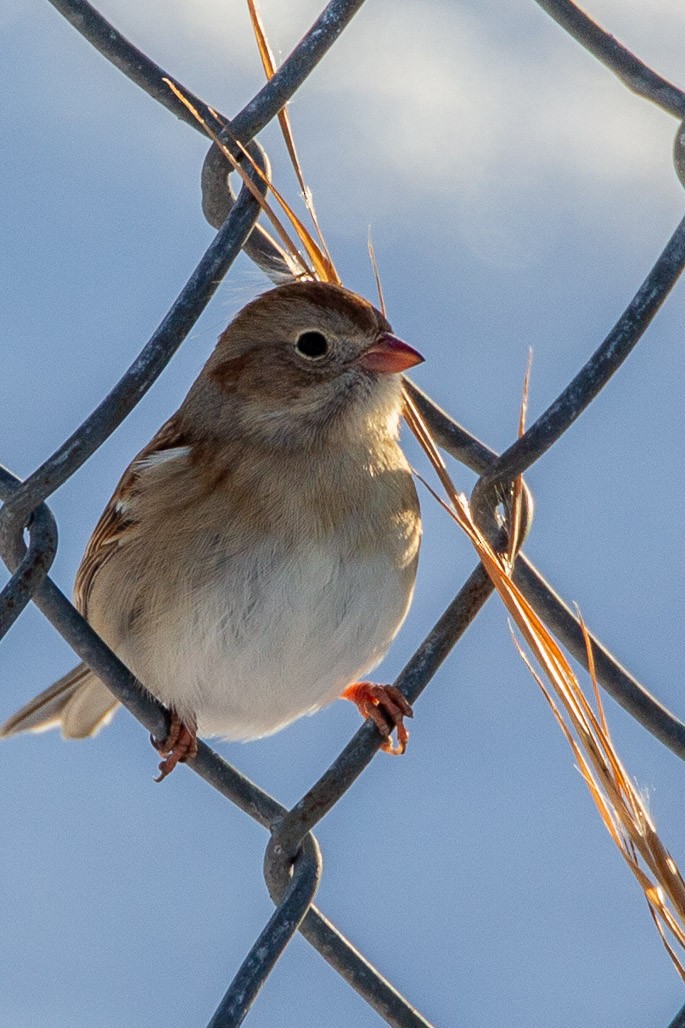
286	130
618	801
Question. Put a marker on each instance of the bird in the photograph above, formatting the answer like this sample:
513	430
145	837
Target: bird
259	555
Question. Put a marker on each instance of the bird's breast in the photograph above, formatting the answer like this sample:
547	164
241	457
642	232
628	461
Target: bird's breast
272	633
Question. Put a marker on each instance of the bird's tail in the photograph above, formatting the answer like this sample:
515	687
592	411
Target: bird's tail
78	703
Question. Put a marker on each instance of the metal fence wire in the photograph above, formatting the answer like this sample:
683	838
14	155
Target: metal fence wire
292	864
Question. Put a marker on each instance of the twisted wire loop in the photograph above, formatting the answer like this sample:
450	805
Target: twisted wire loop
292	888
218	198
31	563
292	864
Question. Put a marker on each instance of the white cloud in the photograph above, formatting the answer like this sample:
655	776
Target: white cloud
474	106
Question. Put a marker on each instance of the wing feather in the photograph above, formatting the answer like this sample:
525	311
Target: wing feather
118	520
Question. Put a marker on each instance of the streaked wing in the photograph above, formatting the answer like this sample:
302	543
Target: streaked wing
117	519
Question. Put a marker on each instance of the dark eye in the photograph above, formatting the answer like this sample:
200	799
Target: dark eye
312	345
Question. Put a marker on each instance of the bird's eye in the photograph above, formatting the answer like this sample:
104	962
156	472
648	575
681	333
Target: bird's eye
312	345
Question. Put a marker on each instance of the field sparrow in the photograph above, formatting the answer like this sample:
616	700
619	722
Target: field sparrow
259	554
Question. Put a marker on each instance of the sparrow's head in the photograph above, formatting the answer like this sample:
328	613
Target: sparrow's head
302	362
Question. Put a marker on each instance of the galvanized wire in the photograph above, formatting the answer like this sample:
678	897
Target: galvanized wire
292	861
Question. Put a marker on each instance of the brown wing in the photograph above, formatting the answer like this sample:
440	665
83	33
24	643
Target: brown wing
116	520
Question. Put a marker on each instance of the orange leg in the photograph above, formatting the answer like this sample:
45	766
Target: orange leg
180	745
386	707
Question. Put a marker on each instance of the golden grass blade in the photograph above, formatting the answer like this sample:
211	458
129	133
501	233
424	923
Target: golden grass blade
322	252
617	799
269	66
669	949
323	270
591	671
586	773
323	266
376	275
420	430
516	517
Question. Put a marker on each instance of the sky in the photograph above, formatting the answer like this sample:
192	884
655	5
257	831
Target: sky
517	196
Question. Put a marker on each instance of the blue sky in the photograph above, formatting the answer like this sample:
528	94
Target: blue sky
517	195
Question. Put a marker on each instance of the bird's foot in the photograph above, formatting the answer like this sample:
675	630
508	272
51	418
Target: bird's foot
386	707
180	745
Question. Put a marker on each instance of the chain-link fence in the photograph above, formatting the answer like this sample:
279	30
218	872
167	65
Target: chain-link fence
293	864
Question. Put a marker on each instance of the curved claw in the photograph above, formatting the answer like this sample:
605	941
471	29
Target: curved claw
180	745
386	707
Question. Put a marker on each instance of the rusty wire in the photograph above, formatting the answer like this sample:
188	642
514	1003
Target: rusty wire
292	862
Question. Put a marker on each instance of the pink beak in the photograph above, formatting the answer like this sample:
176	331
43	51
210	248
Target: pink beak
390	355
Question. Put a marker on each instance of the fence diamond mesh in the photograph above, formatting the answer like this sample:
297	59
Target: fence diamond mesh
29	541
